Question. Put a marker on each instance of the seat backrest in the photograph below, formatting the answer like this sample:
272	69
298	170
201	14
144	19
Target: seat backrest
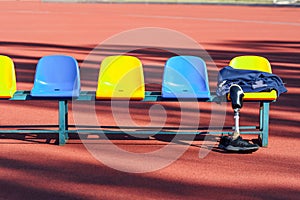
185	77
56	76
8	85
121	77
251	63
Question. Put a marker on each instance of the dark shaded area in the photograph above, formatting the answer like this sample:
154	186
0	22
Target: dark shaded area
98	176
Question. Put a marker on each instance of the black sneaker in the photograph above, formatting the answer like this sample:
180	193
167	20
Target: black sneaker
224	142
237	145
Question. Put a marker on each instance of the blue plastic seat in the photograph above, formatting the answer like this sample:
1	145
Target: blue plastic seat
185	77
56	76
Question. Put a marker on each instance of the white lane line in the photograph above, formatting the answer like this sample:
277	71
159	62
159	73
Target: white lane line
25	11
42	12
218	20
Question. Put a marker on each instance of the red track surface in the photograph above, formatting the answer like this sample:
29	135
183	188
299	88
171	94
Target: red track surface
31	169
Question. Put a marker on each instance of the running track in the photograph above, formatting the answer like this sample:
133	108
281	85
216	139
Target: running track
32	169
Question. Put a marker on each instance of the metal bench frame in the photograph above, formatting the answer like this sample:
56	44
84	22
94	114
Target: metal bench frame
150	96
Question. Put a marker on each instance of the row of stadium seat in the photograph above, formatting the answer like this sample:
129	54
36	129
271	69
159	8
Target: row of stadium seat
121	77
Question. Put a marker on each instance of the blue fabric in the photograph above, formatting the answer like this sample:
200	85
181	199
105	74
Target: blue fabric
249	80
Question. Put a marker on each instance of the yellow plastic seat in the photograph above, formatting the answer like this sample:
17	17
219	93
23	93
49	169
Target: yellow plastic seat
8	85
121	77
254	63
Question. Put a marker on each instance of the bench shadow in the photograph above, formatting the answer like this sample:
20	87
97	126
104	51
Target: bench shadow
166	136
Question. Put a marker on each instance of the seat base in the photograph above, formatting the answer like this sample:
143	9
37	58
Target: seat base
258	96
200	95
7	94
55	94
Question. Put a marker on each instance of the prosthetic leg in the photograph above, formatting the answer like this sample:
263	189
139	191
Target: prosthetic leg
235	142
236	96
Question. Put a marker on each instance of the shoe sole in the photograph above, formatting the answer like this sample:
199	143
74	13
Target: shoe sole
239	149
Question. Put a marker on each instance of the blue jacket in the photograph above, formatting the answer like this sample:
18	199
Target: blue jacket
249	80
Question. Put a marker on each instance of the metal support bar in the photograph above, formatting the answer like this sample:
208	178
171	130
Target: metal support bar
62	121
160	132
236	121
66	118
261	121
29	131
264	123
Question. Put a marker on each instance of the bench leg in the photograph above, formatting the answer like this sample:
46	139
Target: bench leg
62	121
264	123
